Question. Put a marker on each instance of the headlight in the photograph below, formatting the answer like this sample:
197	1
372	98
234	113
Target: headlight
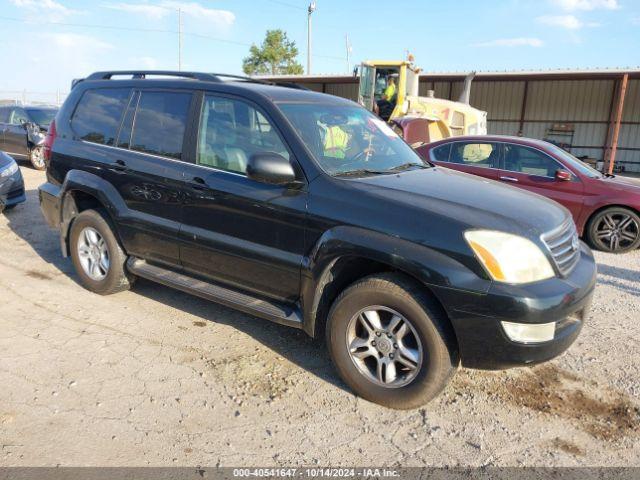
9	170
509	258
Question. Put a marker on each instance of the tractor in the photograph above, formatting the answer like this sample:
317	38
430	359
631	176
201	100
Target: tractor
417	119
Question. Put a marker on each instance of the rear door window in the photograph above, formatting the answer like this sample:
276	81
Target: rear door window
477	154
160	123
98	115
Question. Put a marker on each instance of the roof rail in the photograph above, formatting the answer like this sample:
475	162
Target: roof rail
220	76
146	73
209	77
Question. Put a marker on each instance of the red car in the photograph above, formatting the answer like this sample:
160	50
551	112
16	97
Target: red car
605	208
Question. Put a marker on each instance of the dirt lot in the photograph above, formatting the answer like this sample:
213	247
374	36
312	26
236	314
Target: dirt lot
157	377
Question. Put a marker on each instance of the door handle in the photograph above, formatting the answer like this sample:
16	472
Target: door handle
197	183
509	179
120	166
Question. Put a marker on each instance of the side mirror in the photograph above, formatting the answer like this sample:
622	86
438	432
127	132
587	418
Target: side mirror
271	168
563	175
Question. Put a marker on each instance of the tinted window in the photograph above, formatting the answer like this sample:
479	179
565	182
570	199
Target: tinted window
160	123
4	114
98	115
18	116
475	154
231	131
441	154
527	160
43	117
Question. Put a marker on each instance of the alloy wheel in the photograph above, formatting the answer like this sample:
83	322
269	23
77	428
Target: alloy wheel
616	231
384	346
36	157
93	254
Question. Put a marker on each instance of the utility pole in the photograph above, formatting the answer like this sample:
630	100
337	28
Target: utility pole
312	7
348	45
179	39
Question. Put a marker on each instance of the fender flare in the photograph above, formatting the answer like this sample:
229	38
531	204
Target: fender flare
426	265
90	184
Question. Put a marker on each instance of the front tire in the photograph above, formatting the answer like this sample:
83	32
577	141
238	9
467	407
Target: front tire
97	256
36	157
391	342
614	230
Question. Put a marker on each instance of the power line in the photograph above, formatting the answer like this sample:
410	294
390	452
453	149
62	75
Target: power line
141	29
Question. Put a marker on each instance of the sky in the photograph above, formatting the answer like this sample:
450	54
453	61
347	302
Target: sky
44	44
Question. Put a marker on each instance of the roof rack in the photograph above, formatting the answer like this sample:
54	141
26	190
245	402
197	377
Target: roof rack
147	73
208	77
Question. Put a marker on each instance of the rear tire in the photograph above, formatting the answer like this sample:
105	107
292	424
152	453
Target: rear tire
98	258
423	352
614	230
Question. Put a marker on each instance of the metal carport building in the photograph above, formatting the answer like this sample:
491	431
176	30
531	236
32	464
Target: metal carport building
578	108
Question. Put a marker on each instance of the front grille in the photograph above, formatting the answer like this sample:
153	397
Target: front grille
15	193
564	245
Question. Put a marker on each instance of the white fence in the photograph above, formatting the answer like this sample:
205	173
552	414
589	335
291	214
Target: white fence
23	97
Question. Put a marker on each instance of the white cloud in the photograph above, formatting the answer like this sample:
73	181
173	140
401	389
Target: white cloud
158	11
145	63
569	22
76	41
512	42
155	12
50	8
573	5
222	18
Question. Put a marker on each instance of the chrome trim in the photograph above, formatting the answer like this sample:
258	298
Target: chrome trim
182	162
563	245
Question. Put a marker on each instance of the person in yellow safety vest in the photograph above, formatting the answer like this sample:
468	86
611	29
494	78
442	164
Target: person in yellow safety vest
336	142
390	91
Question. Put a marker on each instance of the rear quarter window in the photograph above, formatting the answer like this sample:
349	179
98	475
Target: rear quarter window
441	153
98	114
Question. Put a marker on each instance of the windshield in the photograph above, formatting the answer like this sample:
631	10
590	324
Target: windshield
349	140
43	117
575	162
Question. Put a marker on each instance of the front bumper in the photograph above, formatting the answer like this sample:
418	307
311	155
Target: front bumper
49	195
477	318
12	190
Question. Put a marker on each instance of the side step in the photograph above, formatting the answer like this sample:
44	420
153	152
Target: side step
269	310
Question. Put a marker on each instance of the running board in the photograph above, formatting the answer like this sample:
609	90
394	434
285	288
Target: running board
269	310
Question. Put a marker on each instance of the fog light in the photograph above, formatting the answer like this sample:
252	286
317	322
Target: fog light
529	332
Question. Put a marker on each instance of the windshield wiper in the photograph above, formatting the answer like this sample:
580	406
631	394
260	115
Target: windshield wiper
360	171
406	166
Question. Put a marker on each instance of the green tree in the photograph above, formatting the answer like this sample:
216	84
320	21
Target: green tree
276	56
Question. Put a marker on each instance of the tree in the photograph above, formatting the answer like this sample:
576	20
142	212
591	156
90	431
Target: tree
276	56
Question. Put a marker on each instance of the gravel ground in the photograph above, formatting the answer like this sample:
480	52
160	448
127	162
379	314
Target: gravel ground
157	377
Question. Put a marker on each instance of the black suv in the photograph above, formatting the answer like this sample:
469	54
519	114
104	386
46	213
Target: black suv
22	130
307	210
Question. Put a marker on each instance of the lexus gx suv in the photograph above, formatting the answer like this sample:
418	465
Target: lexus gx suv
307	210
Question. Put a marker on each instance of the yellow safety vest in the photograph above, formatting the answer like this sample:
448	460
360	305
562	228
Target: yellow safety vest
335	142
390	92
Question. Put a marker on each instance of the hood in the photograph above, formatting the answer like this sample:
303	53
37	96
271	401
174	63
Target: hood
622	184
5	160
472	201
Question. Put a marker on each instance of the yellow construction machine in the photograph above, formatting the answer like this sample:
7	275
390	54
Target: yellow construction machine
418	119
